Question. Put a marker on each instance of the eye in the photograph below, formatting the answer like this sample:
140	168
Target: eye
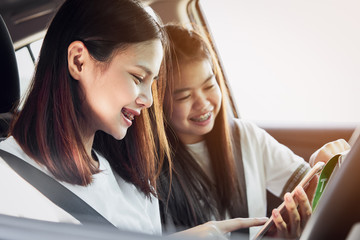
209	87
183	98
137	79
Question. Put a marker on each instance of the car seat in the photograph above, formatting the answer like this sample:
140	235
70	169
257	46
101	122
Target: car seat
9	79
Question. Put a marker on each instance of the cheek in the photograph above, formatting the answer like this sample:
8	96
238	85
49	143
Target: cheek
110	95
217	97
125	92
119	89
180	113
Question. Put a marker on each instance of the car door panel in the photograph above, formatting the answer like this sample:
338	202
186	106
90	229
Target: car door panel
303	141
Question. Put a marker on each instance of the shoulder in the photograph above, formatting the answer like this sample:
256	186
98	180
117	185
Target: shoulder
243	124
15	189
11	146
8	142
246	128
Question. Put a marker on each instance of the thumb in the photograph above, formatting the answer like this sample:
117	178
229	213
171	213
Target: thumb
230	225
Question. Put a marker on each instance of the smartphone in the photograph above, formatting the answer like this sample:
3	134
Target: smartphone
269	228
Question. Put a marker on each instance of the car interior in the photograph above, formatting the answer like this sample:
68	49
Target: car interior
338	210
10	89
23	22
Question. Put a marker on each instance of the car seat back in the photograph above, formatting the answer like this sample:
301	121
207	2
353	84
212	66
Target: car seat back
9	79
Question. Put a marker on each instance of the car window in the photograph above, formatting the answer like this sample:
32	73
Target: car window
26	58
289	61
35	47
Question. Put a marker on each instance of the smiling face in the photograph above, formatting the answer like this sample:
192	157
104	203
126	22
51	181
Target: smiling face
196	101
115	94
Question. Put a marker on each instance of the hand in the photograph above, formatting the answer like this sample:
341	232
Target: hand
326	152
298	210
218	229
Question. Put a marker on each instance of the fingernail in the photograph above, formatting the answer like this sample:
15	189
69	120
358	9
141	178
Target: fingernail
288	197
275	213
299	191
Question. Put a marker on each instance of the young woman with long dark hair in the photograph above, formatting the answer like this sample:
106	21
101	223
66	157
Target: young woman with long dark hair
94	80
99	67
221	165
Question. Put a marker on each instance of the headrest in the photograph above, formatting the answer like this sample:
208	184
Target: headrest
9	75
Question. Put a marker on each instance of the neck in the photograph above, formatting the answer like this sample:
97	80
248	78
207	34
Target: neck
190	139
88	140
88	134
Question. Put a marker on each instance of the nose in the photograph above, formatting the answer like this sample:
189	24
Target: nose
201	102
145	98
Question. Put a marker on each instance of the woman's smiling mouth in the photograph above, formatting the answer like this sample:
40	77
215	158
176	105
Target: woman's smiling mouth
202	118
127	114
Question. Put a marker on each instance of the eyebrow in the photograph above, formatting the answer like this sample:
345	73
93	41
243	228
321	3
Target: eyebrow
187	89
148	71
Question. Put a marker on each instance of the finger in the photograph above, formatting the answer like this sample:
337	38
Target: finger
342	145
294	216
311	188
345	144
230	225
304	206
325	154
279	223
321	155
335	147
327	151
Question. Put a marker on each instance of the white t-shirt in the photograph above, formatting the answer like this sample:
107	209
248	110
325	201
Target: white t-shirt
200	153
267	165
118	201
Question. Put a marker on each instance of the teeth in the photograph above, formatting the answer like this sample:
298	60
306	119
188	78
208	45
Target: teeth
128	115
202	118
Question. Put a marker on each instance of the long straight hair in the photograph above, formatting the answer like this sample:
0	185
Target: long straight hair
48	127
191	198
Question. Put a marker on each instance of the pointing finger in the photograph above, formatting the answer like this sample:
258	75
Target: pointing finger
230	225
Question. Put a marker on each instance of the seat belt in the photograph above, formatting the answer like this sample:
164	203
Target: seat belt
54	191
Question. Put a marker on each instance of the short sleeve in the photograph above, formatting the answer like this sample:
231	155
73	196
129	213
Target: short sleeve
282	168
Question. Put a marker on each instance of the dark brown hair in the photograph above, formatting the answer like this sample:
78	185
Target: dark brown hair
48	126
191	198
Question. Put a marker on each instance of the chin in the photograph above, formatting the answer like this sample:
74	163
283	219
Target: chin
209	128
204	131
119	135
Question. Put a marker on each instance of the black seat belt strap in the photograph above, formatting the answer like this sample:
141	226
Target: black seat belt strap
54	191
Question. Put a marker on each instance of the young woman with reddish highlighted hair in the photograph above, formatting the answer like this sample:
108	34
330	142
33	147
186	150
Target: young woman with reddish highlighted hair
97	72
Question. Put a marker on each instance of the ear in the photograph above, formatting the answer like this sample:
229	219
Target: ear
77	54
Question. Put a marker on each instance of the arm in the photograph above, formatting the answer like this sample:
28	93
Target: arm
218	229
